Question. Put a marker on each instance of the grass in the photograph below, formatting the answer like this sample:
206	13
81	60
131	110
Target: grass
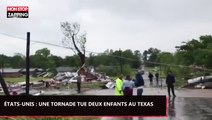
91	85
21	79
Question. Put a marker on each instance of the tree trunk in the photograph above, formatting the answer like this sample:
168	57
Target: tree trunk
80	54
82	58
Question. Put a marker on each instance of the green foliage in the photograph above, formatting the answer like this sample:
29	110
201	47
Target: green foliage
57	60
108	62
42	59
153	56
197	52
73	61
109	70
115	58
17	61
115	70
127	70
193	52
166	57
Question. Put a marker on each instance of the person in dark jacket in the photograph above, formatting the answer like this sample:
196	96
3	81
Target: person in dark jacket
170	80
150	77
157	77
79	80
139	83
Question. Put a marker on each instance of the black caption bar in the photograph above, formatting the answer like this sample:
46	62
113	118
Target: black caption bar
83	106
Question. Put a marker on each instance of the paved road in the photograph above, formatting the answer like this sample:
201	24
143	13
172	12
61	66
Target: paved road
190	104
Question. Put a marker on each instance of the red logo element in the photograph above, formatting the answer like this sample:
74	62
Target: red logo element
17	11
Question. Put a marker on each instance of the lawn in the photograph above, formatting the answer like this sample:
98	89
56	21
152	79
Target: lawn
90	85
21	79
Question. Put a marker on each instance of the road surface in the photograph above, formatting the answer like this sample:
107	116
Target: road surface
190	104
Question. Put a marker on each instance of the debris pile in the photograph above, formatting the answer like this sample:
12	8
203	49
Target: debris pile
202	82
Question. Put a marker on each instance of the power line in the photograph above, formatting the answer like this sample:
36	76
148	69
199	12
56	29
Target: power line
130	59
35	41
46	43
12	36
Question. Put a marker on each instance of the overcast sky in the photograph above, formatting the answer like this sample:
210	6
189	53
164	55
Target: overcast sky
110	24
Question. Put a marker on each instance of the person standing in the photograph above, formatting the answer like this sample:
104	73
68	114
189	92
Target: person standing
170	80
128	85
118	86
157	77
150	77
139	83
79	80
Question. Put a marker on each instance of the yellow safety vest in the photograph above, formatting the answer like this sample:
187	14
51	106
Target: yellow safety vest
118	87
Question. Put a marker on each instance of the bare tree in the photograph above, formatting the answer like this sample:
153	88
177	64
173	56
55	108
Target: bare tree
73	37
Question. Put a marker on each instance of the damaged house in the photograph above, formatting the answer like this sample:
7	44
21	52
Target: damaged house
11	72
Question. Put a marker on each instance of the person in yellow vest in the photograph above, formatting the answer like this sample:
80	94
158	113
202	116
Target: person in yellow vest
118	86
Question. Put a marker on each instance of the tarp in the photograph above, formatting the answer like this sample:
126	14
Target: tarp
200	79
110	85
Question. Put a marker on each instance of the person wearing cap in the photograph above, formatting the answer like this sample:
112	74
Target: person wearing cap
118	86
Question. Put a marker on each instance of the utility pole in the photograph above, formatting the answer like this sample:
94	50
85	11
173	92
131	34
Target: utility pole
27	62
4	85
160	77
120	61
2	66
2	81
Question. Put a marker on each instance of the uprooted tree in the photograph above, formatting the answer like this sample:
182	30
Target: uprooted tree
73	37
